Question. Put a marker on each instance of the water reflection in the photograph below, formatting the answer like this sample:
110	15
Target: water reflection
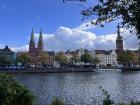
82	88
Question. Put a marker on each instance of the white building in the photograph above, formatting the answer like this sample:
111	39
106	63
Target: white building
107	58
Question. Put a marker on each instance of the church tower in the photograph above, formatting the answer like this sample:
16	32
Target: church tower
40	42
119	41
32	43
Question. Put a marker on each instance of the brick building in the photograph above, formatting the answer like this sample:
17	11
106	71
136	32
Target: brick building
34	50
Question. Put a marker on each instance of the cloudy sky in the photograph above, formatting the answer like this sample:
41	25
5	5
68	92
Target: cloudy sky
61	24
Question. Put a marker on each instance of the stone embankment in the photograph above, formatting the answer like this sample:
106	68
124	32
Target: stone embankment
46	70
131	69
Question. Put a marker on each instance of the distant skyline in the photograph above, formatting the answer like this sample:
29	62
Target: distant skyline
57	19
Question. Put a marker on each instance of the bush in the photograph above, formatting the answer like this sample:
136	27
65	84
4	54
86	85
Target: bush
57	101
13	93
107	100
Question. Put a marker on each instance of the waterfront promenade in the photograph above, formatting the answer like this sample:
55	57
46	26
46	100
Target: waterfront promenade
62	69
46	70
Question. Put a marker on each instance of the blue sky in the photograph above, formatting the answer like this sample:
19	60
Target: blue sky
18	17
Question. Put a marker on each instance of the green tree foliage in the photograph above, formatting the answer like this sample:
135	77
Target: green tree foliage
23	58
110	10
57	101
4	60
86	58
13	93
125	57
74	59
61	58
43	58
95	60
107	100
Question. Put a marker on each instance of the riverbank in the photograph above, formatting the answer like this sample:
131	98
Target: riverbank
49	70
130	69
63	70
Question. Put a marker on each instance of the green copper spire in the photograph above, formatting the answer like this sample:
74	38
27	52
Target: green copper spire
32	40
40	41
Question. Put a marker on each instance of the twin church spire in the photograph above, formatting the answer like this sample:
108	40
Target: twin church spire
32	45
32	40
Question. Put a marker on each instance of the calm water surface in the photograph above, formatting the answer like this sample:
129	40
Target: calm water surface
82	88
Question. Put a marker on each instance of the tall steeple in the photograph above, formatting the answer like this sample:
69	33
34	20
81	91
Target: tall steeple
32	42
119	40
118	33
40	41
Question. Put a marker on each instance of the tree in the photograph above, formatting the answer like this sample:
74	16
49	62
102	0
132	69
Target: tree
13	93
4	60
111	10
95	60
57	101
74	59
24	58
86	58
43	58
61	58
126	57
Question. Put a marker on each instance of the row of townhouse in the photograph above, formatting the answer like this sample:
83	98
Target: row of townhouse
107	58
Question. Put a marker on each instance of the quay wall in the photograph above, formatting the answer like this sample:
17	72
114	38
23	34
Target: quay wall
48	70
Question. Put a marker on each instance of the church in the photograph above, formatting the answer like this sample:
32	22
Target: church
119	42
120	48
34	50
109	58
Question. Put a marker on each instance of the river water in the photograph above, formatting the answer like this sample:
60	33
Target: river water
82	88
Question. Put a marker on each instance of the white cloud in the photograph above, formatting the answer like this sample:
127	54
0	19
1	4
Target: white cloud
21	48
65	38
105	42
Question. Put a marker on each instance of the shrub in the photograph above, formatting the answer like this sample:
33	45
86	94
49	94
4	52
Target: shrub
57	101
13	93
